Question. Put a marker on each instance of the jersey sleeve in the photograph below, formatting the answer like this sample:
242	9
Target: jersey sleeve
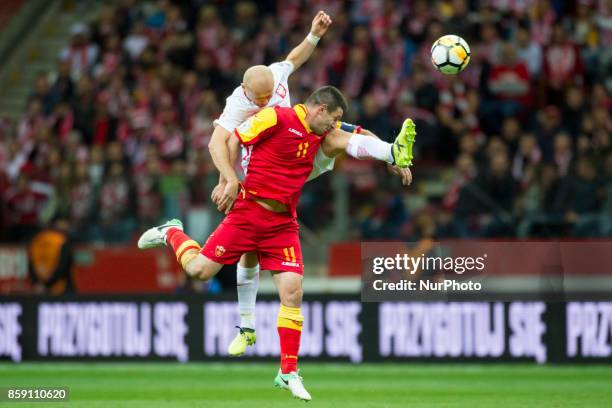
348	127
257	127
281	70
233	114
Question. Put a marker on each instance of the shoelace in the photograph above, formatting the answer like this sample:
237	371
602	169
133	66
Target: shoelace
297	373
243	333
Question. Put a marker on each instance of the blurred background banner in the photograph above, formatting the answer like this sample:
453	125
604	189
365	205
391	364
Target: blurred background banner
336	328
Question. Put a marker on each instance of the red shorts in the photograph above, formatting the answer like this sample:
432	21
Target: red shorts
250	227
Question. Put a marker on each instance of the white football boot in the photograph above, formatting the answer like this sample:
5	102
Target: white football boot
156	237
292	382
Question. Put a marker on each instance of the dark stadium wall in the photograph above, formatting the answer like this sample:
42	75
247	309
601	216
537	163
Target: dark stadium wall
336	328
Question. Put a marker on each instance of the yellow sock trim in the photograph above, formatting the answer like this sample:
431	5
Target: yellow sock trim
289	324
187	244
290	317
188	256
292	313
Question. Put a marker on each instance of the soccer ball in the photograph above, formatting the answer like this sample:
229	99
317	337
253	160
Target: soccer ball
450	54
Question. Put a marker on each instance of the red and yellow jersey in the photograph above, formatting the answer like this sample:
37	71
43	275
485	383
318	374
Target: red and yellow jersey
283	153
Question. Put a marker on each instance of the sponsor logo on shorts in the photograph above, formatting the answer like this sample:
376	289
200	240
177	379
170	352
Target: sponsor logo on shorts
294	264
219	250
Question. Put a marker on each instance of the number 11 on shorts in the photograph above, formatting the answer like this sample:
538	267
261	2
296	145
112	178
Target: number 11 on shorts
289	251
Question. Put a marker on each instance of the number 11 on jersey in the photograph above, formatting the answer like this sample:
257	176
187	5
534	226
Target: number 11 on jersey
302	150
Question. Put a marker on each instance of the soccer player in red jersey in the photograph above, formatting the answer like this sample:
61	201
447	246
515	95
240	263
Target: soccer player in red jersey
267	86
263	216
261	87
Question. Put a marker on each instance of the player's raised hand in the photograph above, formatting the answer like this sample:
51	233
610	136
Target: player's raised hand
217	192
404	173
320	23
228	196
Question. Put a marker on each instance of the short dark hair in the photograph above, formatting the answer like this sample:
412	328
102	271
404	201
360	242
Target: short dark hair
330	96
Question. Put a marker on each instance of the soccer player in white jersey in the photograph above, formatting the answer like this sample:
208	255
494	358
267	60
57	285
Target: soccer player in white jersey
266	87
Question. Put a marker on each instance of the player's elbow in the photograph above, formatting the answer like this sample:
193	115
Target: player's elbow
219	138
215	145
296	64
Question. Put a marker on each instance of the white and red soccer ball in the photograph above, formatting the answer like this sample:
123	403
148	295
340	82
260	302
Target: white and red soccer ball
450	54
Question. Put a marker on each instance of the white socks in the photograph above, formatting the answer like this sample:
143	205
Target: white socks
367	147
247	280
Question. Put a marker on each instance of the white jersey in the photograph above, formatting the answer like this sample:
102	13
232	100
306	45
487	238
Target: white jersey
238	108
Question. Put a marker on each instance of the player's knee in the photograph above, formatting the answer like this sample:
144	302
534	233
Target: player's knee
201	270
292	296
208	272
194	271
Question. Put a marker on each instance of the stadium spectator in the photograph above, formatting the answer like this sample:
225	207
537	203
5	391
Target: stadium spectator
25	203
43	92
509	85
549	125
51	260
63	86
529	52
562	65
527	156
82	196
81	53
115	205
563	155
581	199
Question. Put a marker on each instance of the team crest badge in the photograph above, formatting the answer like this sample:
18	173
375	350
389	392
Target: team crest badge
281	91
219	251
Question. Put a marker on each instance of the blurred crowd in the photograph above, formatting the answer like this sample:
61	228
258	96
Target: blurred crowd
517	145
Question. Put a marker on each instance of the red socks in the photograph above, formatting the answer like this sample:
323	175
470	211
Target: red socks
184	247
289	326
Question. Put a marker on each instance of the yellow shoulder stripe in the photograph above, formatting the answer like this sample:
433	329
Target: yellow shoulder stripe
301	110
256	124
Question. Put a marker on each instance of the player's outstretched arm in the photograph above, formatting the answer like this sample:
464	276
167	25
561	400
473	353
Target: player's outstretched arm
233	149
300	54
219	147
